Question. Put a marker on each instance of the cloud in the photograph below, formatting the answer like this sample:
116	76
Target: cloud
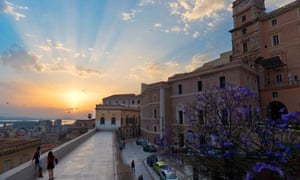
60	64
196	34
20	59
176	29
158	25
11	9
45	48
151	71
82	71
147	2
57	45
129	16
197	61
191	10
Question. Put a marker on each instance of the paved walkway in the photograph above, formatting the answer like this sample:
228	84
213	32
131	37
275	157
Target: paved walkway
92	160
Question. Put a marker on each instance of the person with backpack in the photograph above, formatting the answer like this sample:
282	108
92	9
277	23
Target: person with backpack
51	162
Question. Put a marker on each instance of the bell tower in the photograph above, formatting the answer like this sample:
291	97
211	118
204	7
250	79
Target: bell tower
246	33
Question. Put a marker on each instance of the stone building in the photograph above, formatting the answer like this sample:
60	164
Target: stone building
264	58
163	103
16	151
270	43
119	112
129	100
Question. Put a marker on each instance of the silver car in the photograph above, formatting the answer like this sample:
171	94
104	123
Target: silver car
167	174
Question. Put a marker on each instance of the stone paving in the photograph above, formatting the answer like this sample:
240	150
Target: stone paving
92	160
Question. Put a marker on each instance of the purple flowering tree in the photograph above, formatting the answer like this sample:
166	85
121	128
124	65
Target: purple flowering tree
230	139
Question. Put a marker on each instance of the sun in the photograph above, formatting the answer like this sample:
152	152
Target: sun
73	99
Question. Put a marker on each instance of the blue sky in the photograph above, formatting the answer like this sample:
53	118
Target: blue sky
60	58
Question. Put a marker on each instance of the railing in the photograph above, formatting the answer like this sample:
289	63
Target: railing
27	170
272	84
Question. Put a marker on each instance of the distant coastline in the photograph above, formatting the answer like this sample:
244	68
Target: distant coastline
21	118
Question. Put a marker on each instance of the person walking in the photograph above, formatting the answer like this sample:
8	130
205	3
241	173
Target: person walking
132	166
38	163
140	177
51	161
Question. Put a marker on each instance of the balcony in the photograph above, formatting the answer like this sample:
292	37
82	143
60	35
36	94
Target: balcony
281	84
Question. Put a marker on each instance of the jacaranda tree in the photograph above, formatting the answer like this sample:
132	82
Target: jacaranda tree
229	139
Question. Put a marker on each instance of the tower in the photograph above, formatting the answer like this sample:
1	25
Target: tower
247	30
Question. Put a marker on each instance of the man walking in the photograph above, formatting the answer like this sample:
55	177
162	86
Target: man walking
38	163
132	166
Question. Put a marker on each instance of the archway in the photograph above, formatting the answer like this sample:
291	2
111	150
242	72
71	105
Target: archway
275	109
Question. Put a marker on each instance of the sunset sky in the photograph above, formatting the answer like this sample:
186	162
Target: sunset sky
59	58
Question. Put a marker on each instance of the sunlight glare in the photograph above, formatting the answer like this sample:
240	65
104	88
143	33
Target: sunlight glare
73	99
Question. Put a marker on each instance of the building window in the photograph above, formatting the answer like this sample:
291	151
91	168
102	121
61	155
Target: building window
224	117
179	89
154	128
248	83
222	82
245	47
180	117
102	120
181	140
201	117
276	40
24	158
199	85
279	79
275	94
244	31
132	102
190	137
244	19
16	162
273	22
155	113
6	165
113	120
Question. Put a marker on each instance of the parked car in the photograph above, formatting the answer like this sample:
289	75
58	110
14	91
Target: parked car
159	165
152	159
167	174
216	153
144	144
140	141
149	148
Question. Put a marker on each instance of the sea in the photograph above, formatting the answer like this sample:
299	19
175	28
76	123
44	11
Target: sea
28	123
